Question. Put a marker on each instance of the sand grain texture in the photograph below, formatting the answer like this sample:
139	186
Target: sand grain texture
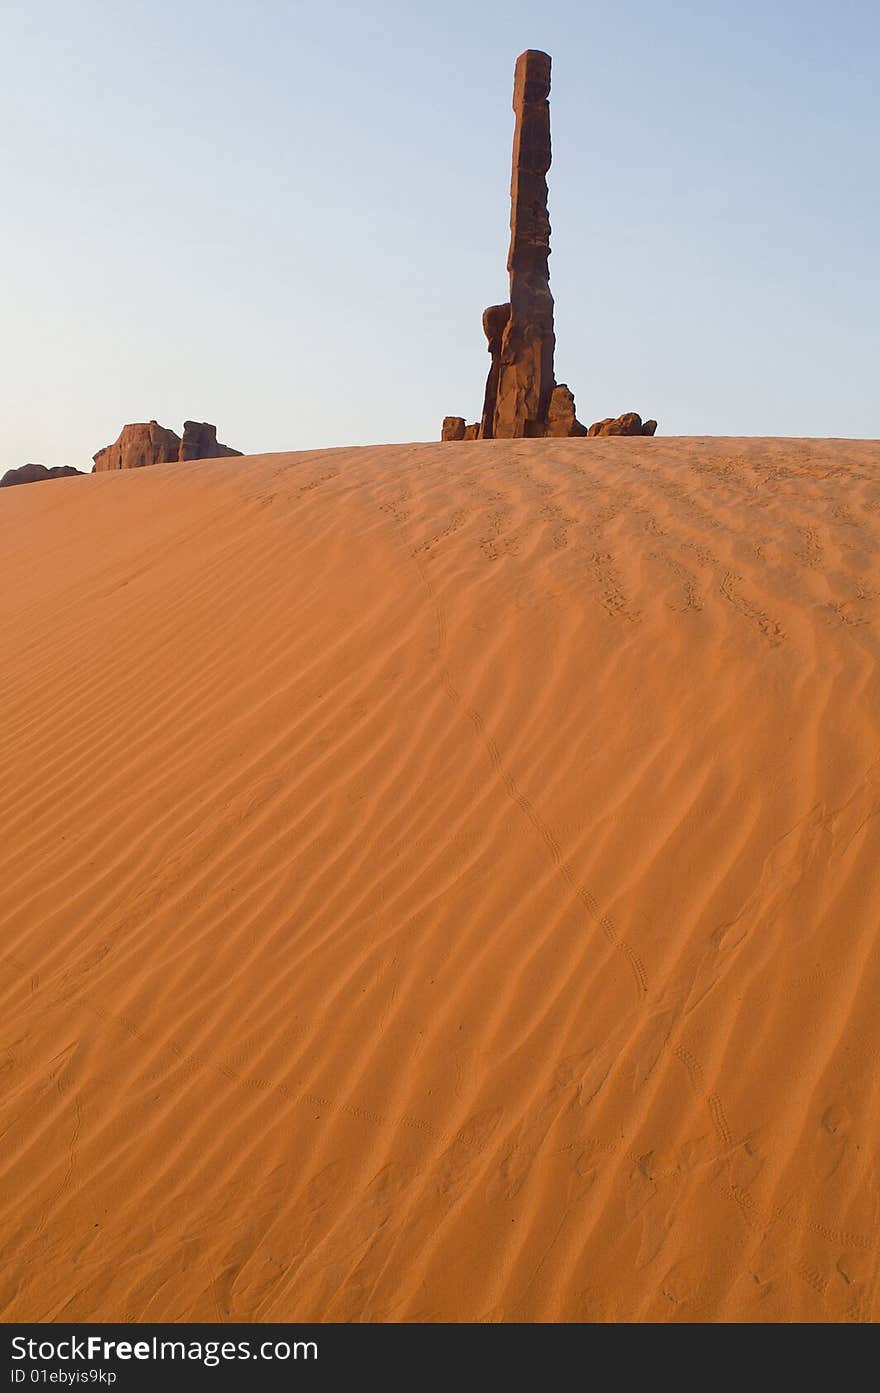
440	882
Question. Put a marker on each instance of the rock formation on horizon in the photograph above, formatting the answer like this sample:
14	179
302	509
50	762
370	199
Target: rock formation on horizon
200	441
522	397
146	442
138	445
630	423
35	473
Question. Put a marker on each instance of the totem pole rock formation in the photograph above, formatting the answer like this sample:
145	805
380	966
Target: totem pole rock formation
525	368
522	397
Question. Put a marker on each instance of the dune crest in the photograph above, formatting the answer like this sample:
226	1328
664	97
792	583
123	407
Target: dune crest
439	882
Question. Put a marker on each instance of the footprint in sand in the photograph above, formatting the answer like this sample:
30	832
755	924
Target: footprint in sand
832	1141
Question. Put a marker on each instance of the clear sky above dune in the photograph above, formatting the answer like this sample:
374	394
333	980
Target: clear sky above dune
287	218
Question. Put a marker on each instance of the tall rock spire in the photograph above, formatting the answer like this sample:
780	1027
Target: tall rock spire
525	379
522	397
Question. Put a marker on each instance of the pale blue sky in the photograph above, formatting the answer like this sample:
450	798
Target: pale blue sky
287	218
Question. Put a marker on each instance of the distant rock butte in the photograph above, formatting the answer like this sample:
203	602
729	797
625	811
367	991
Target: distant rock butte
35	473
146	442
139	445
522	397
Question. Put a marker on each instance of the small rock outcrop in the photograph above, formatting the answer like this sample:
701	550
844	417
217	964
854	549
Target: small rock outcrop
630	423
522	397
562	415
453	428
146	442
35	473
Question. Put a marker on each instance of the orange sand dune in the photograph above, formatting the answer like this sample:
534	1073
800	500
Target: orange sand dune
441	882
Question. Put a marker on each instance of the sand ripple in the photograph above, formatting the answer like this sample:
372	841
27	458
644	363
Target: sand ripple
439	882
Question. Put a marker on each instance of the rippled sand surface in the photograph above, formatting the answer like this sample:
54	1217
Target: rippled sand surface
440	882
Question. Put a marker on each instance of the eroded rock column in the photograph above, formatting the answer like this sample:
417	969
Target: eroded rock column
525	373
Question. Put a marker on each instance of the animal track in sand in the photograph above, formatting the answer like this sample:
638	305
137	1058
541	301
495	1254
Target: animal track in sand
770	629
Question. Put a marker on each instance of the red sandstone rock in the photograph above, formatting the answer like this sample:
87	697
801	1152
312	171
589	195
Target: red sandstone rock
453	428
146	442
522	397
495	320
562	414
200	442
472	432
630	423
138	445
525	376
35	473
